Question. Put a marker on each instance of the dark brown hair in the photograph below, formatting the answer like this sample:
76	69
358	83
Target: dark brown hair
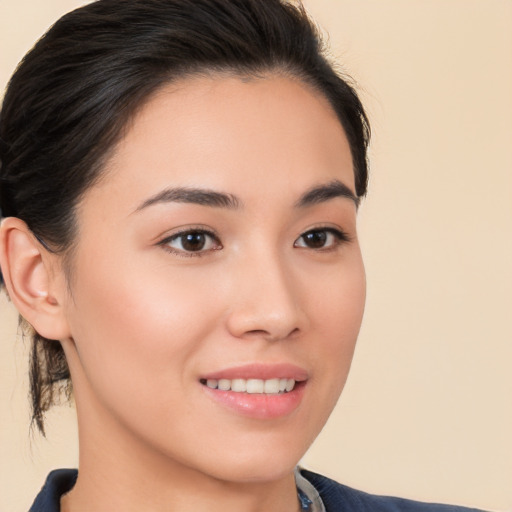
74	92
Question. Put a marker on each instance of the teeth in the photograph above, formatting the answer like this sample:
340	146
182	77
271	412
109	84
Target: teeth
224	384
239	385
269	387
255	386
212	383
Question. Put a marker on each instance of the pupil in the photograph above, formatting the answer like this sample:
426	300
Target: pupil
315	239
193	241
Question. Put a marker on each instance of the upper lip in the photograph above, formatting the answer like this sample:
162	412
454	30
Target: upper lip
260	371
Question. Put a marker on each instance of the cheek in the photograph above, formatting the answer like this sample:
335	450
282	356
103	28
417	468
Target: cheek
338	301
337	320
135	332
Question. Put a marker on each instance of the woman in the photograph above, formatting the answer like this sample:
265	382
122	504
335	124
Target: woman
180	182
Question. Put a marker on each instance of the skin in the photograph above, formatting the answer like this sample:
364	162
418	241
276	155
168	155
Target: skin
145	320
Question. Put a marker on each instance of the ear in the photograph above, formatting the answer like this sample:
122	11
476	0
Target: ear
28	271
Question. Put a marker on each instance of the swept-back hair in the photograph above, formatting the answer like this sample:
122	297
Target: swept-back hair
72	95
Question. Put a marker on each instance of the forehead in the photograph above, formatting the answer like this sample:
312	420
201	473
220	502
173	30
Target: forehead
242	136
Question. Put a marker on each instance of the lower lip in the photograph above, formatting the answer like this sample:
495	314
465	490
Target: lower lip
259	406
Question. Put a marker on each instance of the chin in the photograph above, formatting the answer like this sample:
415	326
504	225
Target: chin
259	463
249	472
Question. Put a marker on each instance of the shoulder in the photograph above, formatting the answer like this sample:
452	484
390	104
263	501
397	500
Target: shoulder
337	497
59	482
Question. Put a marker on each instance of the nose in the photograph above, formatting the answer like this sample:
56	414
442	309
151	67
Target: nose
265	301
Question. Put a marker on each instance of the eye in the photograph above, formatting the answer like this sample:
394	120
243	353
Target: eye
322	238
191	241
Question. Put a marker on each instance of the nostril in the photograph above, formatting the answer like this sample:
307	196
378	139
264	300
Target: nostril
258	333
271	336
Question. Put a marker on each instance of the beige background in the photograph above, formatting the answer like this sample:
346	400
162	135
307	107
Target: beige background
427	412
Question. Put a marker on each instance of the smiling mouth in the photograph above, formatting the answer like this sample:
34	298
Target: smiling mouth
252	386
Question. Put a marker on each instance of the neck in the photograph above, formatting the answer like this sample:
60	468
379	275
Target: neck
105	488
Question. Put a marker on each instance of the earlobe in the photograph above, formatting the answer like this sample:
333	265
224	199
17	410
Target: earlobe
29	281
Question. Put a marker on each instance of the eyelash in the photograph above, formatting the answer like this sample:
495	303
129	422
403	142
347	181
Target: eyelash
190	231
340	237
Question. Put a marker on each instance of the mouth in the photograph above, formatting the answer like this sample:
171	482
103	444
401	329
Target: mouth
257	391
274	386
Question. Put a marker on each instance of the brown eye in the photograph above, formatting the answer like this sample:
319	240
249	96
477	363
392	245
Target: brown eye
192	241
315	239
321	239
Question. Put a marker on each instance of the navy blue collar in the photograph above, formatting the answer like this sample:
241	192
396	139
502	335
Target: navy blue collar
335	497
59	482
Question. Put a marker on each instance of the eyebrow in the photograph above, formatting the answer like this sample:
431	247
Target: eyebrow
205	197
199	196
326	192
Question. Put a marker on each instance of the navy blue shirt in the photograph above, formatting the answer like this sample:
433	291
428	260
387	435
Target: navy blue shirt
336	497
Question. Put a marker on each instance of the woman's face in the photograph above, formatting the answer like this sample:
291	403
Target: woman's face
219	253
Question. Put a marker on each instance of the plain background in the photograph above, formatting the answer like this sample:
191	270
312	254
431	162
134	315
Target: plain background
427	411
